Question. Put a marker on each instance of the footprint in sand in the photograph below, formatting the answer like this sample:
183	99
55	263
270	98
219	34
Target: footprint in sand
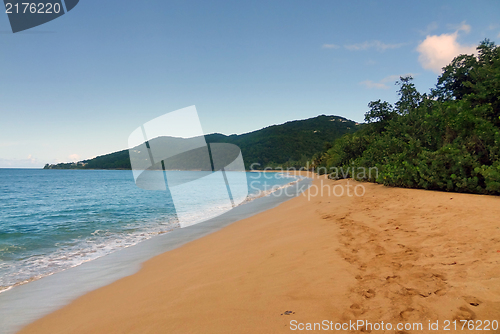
416	313
440	292
472	300
356	309
391	279
464	313
355	306
370	293
407	314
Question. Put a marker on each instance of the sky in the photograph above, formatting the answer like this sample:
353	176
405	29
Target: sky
78	86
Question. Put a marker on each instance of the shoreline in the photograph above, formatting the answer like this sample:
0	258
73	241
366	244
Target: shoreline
393	255
24	303
250	198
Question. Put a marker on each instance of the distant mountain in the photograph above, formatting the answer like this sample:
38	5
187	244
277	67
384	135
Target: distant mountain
270	146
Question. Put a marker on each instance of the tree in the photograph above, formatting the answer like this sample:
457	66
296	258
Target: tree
448	142
379	112
409	97
456	81
465	72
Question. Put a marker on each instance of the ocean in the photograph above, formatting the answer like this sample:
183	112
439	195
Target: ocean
51	220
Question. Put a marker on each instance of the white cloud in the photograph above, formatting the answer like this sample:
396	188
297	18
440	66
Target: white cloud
460	27
74	157
29	162
438	51
378	45
430	28
464	27
32	160
373	85
382	84
392	78
330	46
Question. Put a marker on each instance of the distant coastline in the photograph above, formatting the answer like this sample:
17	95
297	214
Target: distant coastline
291	144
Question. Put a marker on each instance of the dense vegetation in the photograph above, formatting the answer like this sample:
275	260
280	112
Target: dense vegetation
290	144
287	145
447	140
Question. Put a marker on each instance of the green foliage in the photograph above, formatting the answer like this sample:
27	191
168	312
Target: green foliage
278	146
379	112
287	145
449	140
409	97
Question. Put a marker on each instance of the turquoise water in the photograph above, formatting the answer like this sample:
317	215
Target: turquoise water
51	220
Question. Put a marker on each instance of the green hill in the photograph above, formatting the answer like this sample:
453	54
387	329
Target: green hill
288	144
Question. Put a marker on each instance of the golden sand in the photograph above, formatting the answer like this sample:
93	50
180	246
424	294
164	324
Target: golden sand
392	255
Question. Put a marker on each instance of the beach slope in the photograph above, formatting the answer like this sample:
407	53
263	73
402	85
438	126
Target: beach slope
392	255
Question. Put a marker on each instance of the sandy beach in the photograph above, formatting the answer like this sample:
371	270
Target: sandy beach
391	255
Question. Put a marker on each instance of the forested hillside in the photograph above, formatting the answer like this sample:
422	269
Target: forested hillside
289	145
448	139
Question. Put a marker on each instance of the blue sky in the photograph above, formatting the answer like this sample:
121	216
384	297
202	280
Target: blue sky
76	87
